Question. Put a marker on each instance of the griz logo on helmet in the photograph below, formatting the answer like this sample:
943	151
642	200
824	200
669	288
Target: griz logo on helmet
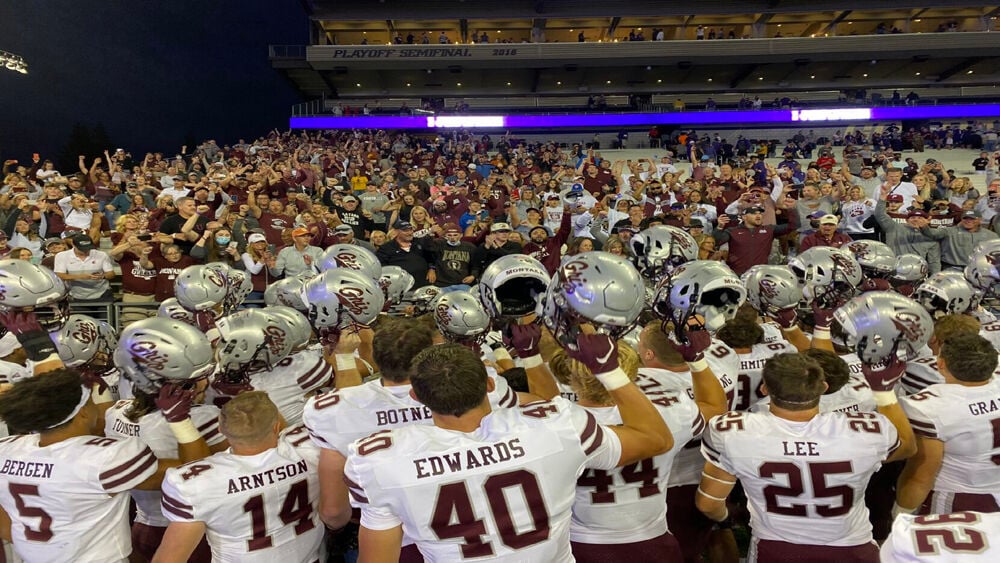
572	276
860	250
441	314
85	332
353	299
216	278
679	240
347	260
844	263
909	325
992	257
275	339
145	353
768	288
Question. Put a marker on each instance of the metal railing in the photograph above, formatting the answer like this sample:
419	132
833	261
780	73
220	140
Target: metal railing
111	311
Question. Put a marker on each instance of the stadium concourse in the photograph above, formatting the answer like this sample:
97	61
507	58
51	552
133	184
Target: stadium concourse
376	346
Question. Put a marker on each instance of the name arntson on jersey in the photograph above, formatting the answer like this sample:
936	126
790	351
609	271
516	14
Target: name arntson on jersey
469	459
269	477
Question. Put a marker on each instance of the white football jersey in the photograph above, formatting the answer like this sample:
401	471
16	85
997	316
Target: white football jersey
152	429
991	332
943	538
628	504
339	417
688	462
567	392
967	420
920	374
256	508
748	380
290	382
772	333
854	396
805	481
503	491
62	498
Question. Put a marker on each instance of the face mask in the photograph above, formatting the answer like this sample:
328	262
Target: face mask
454	243
222	240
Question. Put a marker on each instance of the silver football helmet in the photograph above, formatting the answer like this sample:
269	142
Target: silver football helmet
251	340
287	292
946	293
513	286
238	286
876	259
598	288
661	248
171	309
878	324
771	288
983	269
395	282
829	275
30	287
703	287
156	350
200	287
351	257
296	324
339	298
460	317
86	343
910	268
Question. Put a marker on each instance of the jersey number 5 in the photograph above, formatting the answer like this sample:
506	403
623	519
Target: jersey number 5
454	505
44	531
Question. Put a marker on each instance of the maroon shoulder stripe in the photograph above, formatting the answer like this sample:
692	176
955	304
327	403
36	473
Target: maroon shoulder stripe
169	499
126	465
173	509
597	441
307	375
129	476
588	429
355	490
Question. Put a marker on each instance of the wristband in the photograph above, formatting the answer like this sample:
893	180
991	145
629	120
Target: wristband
823	333
885	398
897	510
614	379
501	353
531	361
38	345
700	364
345	362
100	397
184	431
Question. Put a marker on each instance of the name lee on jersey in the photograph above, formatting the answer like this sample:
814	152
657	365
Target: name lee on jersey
469	459
800	448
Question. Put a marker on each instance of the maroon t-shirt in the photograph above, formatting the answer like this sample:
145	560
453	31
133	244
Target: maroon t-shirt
273	225
166	273
135	278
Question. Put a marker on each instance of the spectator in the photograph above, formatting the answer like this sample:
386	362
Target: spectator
53	246
168	261
545	246
87	272
497	244
907	237
957	242
454	260
750	244
138	283
185	226
218	246
345	235
298	258
414	255
273	220
825	235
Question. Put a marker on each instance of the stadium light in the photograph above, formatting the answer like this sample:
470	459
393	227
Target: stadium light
13	62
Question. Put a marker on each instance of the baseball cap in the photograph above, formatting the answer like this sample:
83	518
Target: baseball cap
552	196
53	240
530	209
401	225
752	209
542	227
894	198
920	213
301	232
343	229
500	228
82	242
472	166
348	198
696	223
451	228
256	237
971	214
829	220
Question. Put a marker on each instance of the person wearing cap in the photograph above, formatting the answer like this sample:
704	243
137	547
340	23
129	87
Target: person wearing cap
344	234
298	258
415	255
957	242
496	245
893	182
87	272
907	237
455	263
750	243
826	235
545	246
255	259
706	242
272	219
52	246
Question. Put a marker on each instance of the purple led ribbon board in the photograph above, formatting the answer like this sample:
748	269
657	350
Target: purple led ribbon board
967	111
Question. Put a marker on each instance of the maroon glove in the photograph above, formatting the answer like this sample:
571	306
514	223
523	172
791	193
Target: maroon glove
20	322
525	338
884	377
226	390
91	380
174	402
784	317
599	352
329	337
875	284
694	344
822	317
906	290
30	335
204	320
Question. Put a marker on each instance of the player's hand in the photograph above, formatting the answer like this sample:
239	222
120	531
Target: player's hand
822	316
874	284
599	352
30	335
204	320
174	402
525	338
348	343
694	344
906	289
784	318
20	322
883	377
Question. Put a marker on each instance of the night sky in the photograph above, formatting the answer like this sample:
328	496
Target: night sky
152	72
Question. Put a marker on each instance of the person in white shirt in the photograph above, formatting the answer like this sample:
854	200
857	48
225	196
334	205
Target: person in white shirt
87	270
894	180
176	189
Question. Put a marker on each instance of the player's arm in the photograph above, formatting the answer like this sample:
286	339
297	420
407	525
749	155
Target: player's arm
917	479
5	525
334	504
378	546
716	484
179	542
345	365
643	432
526	340
883	381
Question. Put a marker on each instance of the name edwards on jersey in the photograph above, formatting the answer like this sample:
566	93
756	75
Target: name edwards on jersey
269	477
482	456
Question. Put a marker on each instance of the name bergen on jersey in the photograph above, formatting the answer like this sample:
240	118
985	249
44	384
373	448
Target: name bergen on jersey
469	459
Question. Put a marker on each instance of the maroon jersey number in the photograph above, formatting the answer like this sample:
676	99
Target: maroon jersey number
296	508
953	539
455	517
44	531
817	474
